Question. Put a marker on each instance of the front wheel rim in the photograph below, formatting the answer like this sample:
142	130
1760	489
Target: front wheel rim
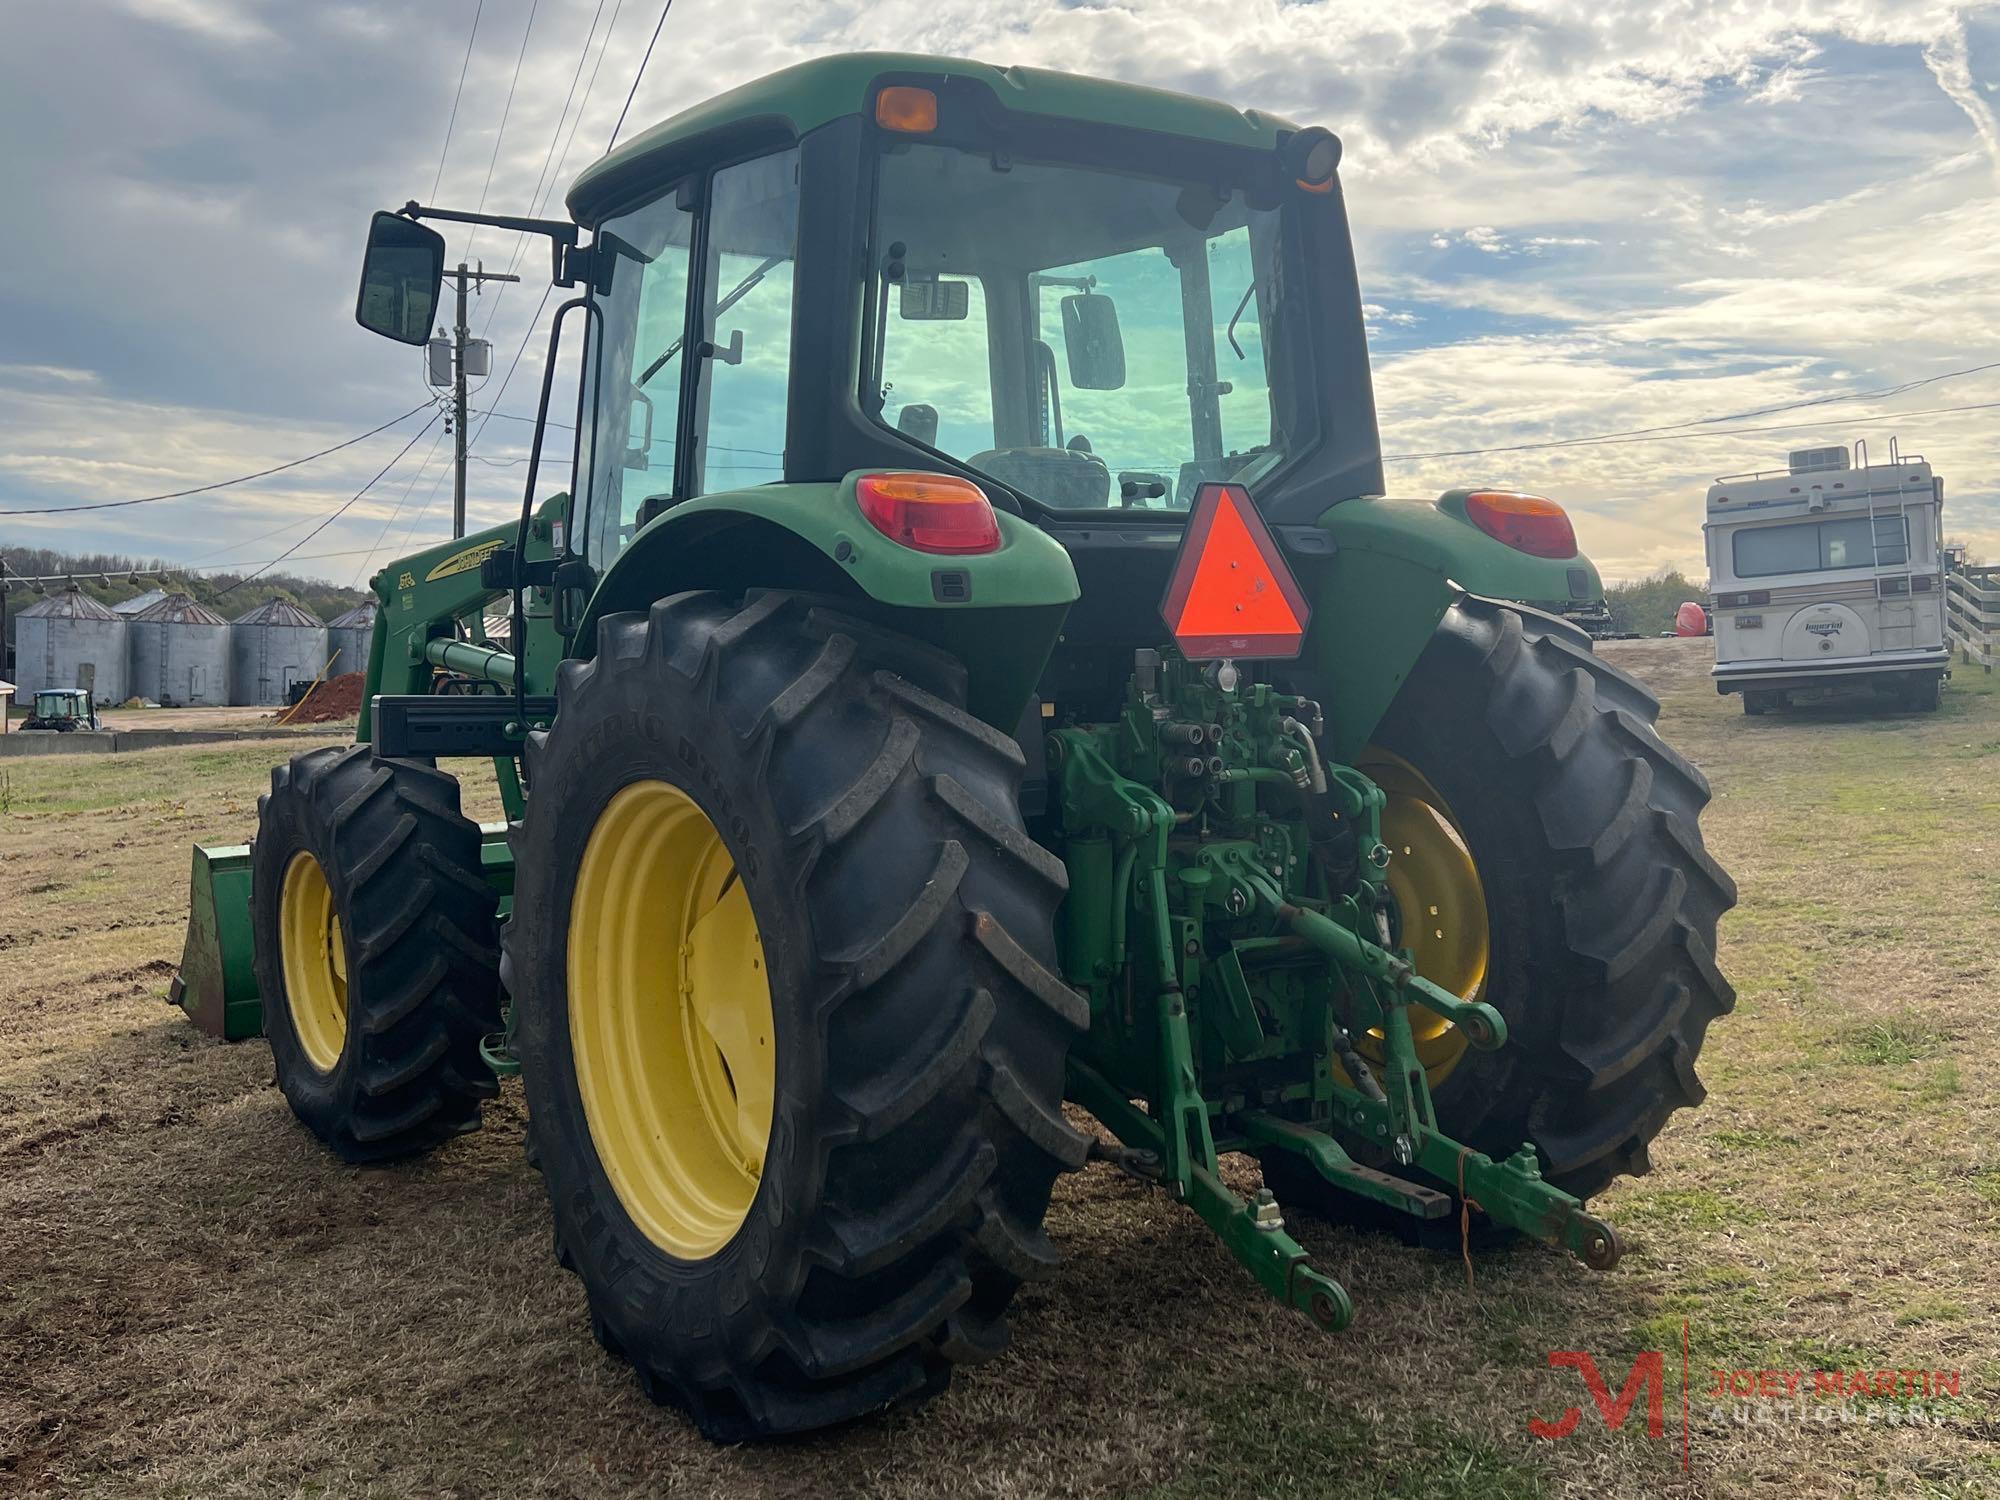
314	952
670	1020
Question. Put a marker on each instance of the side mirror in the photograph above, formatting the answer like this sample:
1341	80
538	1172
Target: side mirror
934	299
639	445
920	421
400	278
1096	348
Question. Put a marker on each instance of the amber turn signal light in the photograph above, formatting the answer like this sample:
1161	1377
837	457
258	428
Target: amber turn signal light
907	108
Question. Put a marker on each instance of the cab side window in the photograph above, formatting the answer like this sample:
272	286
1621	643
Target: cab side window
628	451
746	322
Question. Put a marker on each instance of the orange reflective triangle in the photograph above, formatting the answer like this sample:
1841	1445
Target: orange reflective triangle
1231	593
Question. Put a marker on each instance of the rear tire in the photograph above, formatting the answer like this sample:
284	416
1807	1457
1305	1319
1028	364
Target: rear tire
1923	693
387	1063
906	926
1602	903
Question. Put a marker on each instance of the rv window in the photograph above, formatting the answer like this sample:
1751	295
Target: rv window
1777	549
1821	546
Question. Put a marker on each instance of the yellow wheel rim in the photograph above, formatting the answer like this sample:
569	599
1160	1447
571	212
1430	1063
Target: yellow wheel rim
670	1020
314	957
1439	899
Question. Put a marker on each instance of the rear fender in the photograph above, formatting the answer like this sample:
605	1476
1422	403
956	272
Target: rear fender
998	613
1392	570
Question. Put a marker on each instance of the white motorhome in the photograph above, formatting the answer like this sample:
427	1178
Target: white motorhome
1826	575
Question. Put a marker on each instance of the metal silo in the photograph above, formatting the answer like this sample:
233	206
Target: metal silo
180	654
69	640
131	607
272	647
352	636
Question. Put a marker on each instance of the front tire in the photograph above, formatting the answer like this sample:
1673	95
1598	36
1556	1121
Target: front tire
848	1215
1601	903
377	951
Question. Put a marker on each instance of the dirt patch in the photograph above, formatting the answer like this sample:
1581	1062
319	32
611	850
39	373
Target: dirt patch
195	1300
332	701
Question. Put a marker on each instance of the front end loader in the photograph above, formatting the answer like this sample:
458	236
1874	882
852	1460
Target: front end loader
974	687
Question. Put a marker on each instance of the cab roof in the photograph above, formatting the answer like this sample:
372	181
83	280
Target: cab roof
810	94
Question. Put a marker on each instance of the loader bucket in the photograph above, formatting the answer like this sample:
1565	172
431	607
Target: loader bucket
217	985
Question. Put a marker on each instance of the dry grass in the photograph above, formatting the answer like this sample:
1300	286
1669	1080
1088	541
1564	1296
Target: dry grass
195	1301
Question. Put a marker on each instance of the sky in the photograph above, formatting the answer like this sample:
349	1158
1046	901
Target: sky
1572	218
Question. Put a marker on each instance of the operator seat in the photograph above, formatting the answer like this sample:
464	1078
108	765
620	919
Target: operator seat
1066	478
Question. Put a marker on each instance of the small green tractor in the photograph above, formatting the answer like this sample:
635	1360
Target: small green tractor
63	710
973	682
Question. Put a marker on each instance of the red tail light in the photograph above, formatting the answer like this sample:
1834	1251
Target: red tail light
1527	523
929	512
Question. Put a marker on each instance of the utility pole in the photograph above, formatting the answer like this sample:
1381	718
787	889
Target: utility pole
461	344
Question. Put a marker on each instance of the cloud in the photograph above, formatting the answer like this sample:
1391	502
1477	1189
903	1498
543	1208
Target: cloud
1946	57
1571	217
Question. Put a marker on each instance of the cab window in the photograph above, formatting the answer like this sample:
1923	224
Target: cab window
746	322
632	371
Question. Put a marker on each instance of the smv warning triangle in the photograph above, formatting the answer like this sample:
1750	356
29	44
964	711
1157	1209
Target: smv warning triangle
1230	593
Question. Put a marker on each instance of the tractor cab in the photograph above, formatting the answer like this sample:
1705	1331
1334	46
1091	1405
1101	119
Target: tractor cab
63	710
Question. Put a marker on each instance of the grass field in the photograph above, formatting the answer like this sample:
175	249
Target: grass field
194	1301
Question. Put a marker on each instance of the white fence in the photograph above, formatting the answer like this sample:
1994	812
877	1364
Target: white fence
1972	613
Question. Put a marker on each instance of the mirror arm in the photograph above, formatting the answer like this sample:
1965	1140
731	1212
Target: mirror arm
568	263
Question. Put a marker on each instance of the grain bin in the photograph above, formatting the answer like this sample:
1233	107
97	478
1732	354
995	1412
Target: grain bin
69	640
272	647
352	636
180	654
139	605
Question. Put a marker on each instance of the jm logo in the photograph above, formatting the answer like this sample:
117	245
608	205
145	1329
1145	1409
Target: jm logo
1648	1374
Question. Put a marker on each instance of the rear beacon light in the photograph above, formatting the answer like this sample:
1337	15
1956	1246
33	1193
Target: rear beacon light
929	512
1312	156
1527	523
1231	593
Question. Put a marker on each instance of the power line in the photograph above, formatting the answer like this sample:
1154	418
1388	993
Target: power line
416	520
415	480
220	484
1619	441
533	322
637	75
535	202
549	156
344	506
629	93
1762	411
505	110
169	572
448	124
588	89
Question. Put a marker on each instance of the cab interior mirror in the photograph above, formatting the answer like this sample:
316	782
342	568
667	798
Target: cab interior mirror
400	277
934	299
1096	348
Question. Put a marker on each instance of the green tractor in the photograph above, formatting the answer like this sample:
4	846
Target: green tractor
63	710
973	681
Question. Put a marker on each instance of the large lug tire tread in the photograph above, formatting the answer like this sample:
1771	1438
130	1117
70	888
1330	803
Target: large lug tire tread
908	929
1602	902
423	982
